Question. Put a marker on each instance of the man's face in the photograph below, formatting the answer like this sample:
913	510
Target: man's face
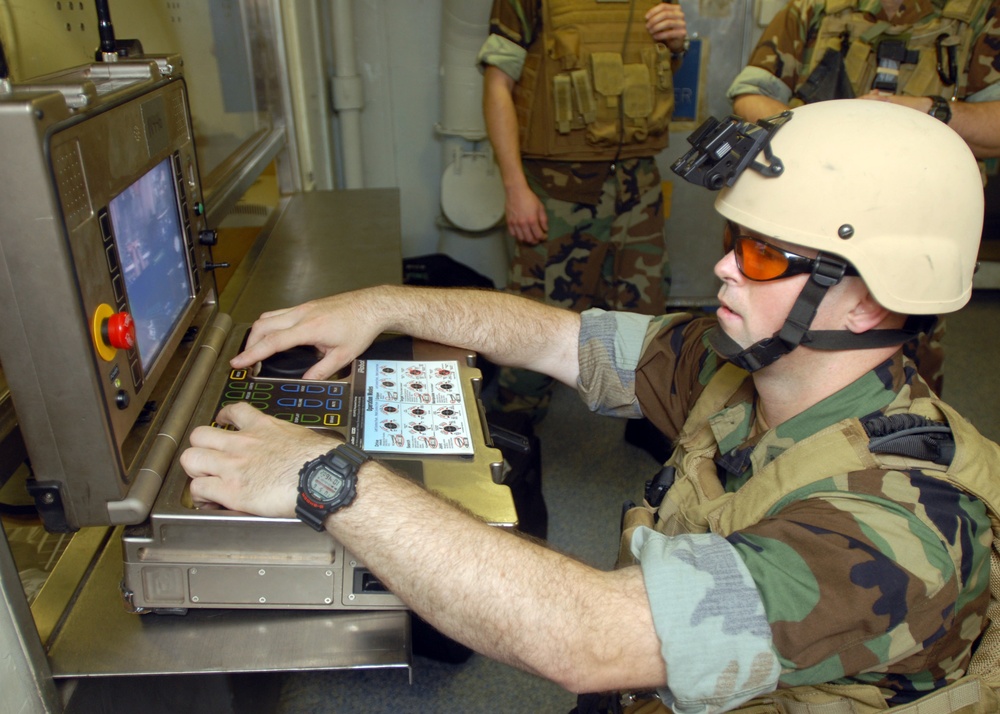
752	310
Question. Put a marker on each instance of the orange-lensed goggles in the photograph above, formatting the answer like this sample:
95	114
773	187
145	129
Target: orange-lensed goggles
759	260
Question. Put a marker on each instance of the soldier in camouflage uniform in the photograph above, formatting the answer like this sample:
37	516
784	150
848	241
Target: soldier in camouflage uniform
948	47
823	537
586	215
953	49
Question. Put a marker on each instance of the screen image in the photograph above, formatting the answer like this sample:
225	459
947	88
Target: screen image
151	248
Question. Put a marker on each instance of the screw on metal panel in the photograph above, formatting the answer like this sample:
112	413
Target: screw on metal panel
260	572
263	600
327	600
351	596
48	499
329	573
194	598
194	571
845	231
354	563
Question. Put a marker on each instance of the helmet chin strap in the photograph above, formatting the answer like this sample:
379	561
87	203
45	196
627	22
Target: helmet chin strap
827	272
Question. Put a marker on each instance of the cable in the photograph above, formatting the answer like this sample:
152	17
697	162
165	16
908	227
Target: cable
4	69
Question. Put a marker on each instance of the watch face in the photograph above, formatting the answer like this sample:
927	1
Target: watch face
324	485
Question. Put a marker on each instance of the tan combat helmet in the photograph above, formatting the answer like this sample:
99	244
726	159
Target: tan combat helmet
876	188
893	191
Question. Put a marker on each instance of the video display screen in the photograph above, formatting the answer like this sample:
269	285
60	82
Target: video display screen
151	248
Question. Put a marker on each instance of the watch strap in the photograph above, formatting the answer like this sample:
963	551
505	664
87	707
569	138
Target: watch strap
310	516
940	109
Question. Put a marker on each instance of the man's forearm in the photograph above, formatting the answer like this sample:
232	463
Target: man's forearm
754	107
501	127
504	328
502	595
979	124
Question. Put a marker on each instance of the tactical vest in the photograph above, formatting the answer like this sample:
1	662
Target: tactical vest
697	503
934	55
592	81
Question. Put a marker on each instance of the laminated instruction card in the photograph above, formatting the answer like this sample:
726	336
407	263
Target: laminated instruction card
411	407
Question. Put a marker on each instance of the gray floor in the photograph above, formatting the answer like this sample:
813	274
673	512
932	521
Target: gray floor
588	471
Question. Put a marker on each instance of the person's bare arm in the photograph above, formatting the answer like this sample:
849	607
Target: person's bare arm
506	597
526	218
754	107
976	122
506	329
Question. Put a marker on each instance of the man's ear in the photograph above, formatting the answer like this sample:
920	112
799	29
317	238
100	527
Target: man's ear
867	314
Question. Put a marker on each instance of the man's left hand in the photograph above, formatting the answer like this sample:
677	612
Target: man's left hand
253	469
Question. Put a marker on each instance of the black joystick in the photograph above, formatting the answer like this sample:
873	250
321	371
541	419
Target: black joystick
290	364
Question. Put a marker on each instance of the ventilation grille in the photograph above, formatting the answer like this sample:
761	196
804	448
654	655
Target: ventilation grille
71	183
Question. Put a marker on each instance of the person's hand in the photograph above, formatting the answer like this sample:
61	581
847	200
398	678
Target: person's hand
526	217
340	327
665	23
254	469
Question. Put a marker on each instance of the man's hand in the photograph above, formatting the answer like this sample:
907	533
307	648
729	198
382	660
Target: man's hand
341	327
665	22
254	469
526	217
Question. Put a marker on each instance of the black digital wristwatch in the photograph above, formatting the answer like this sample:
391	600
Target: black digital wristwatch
328	483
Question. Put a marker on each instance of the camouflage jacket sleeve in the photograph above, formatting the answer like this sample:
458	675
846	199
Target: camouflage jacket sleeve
701	592
627	358
908	551
778	58
514	26
984	67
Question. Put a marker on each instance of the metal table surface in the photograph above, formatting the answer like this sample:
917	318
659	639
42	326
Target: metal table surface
316	244
319	243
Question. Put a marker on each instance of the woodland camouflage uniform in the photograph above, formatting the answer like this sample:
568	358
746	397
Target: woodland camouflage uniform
863	576
605	245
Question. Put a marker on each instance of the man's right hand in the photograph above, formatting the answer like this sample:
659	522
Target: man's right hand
341	327
526	217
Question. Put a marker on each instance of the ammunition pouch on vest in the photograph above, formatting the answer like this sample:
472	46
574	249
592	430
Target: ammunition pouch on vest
927	59
694	501
595	86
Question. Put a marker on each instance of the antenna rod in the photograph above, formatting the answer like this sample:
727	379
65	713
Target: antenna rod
108	50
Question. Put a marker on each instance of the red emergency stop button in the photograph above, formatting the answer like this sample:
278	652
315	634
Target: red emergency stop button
119	331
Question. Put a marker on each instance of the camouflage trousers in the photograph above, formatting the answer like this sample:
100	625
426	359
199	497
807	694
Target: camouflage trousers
611	255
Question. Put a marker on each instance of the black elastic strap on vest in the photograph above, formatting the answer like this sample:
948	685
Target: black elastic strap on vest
891	54
910	435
